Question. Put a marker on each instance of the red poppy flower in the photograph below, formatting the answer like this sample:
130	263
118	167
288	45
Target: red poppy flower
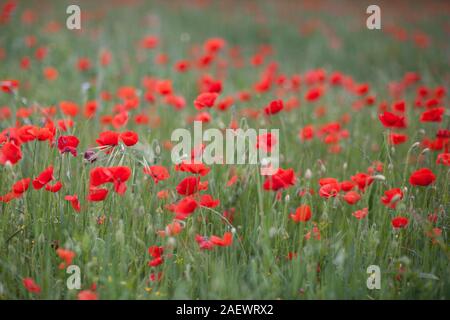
266	141
390	120
129	138
190	185
99	176
183	208
432	115
362	180
54	188
361	214
108	138
171	229
303	213
87	295
274	107
392	197
347	185
9	86
397	138
399	222
69	108
31	285
282	179
325	181
44	177
68	144
10	196
194	168
149	42
205	100
21	186
422	177
73	201
66	255
225	241
120	176
329	190
120	120
207	200
444	159
156	253
97	194
352	197
306	133
158	173
314	94
315	233
204	242
10	152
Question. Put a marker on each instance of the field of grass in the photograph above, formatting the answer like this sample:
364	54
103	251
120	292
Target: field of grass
113	75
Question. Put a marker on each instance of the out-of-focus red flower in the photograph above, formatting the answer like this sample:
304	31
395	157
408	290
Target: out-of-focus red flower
73	201
313	94
21	186
97	194
31	285
67	257
422	177
444	159
10	152
156	253
149	42
225	241
129	138
194	168
390	120
329	190
90	108
43	178
399	222
207	200
266	141
392	197
397	138
9	86
171	229
282	179
274	107
158	173
432	115
306	133
69	108
55	187
352	197
361	214
84	64
205	100
68	144
108	138
362	180
190	185
183	208
51	73
87	295
303	213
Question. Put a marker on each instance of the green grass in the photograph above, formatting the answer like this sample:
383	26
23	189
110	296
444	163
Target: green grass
114	255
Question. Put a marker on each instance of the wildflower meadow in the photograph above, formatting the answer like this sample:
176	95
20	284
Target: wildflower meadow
321	170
